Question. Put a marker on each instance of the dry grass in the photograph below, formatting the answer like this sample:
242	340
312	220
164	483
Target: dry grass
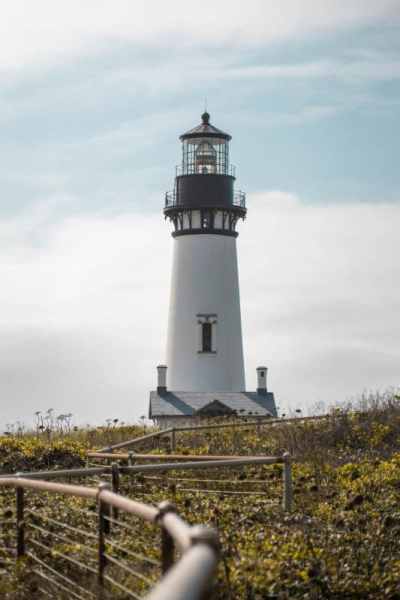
342	539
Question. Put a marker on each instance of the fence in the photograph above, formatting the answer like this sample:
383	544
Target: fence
176	457
173	431
221	463
115	470
45	539
110	543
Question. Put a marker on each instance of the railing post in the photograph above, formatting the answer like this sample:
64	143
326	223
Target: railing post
173	440
167	542
104	529
130	458
115	485
172	489
287	482
20	522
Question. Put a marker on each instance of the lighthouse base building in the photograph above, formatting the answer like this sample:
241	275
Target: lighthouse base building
179	409
205	363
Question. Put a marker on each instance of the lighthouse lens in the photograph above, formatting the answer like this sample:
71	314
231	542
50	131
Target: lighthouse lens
206	158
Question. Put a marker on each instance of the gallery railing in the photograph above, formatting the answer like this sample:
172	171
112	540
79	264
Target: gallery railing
220	168
172	199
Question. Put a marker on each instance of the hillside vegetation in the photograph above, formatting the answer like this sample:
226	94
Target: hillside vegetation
342	539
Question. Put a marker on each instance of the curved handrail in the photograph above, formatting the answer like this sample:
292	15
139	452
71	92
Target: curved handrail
178	530
48	486
187	579
178	585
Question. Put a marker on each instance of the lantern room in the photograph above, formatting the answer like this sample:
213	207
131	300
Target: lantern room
205	150
203	197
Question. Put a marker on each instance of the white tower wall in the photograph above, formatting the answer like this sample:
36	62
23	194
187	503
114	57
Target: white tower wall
205	286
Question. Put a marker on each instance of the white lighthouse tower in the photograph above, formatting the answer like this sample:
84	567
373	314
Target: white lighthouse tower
204	346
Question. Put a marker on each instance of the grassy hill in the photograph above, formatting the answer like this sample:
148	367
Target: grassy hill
342	539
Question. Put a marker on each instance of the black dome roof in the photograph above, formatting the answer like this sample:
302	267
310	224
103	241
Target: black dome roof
205	129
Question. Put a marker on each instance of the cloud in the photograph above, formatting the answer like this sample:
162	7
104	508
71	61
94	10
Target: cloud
76	327
348	69
45	31
103	126
325	303
85	298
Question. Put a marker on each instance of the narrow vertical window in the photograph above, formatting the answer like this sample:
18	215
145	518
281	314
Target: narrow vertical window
206	331
207	219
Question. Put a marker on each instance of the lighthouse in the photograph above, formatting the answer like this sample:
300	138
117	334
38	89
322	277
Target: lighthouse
204	370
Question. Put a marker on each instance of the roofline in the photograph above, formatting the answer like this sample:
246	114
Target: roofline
268	413
203	134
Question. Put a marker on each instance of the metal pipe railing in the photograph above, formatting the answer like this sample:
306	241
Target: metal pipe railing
143	511
287	497
177	457
127	443
260	422
205	464
190	576
121	503
80	491
60	473
177	529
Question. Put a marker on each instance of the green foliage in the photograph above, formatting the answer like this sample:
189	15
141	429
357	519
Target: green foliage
342	539
54	450
30	453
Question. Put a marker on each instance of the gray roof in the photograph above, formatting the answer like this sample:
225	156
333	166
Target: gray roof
179	404
205	129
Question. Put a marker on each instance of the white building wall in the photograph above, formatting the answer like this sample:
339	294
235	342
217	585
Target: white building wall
205	281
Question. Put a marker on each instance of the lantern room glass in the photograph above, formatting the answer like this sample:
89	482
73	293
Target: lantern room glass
205	156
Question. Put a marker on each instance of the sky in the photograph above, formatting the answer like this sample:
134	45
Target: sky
93	98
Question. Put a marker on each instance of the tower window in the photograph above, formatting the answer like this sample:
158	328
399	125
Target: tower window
207	333
206	337
207	219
